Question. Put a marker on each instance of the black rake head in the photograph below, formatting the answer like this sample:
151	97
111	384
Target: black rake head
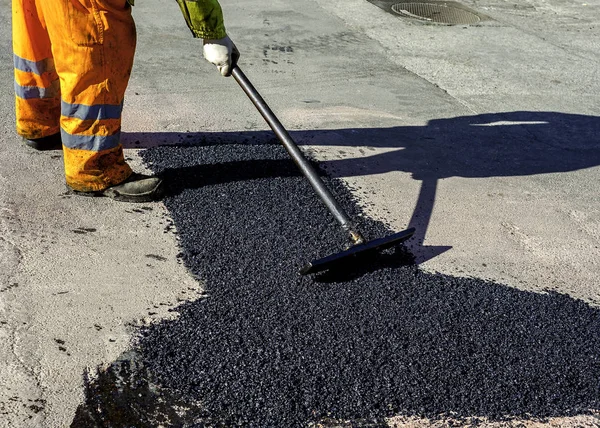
344	257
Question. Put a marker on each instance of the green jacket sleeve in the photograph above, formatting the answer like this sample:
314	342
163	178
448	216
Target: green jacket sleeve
204	17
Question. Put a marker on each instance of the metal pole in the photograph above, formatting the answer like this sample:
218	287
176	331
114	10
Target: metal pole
297	156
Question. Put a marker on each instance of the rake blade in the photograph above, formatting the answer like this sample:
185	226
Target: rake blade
356	251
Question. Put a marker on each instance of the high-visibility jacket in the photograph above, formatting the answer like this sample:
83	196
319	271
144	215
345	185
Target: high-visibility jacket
204	18
72	61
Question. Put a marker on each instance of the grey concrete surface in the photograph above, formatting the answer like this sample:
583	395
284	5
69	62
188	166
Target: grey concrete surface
407	113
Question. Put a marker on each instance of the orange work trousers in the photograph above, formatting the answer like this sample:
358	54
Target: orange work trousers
72	60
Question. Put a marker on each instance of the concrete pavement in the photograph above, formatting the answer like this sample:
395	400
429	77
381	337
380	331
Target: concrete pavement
457	130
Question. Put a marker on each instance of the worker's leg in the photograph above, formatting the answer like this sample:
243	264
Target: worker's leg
36	82
93	42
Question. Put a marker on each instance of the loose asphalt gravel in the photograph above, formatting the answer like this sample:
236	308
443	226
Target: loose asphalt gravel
265	346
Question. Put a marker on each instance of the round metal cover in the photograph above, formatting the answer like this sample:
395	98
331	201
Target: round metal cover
435	13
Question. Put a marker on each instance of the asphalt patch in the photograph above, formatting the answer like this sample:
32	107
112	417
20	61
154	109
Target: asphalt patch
265	346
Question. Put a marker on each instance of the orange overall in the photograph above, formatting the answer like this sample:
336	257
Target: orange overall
72	60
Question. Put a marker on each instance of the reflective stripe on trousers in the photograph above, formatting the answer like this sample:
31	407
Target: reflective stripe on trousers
72	62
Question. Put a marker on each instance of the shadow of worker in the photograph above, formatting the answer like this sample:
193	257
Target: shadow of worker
506	144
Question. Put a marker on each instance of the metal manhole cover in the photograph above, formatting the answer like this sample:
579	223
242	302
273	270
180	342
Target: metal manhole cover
435	13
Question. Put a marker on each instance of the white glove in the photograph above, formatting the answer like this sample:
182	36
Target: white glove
222	53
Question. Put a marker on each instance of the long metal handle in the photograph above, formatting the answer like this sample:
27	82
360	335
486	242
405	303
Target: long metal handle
297	156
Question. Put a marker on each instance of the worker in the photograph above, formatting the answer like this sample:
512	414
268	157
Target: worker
72	60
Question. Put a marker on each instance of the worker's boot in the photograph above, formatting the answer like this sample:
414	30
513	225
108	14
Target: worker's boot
137	188
51	142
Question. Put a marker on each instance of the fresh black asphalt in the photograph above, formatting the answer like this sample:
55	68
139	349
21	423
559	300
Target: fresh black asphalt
265	346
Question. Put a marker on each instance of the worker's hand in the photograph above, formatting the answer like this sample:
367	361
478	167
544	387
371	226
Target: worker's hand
222	53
